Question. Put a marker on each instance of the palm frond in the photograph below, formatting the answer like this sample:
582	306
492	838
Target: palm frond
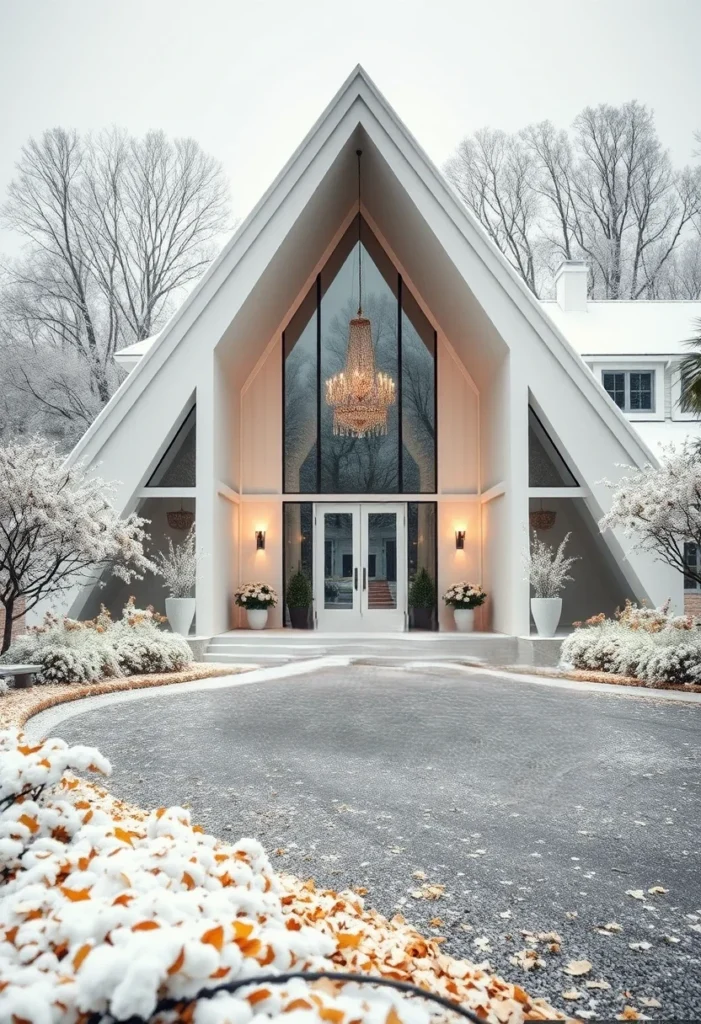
689	371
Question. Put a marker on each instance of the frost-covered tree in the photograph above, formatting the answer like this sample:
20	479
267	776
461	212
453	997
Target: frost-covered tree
58	528
606	191
114	228
660	506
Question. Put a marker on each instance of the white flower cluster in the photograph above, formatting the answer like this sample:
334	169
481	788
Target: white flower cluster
87	652
179	567
660	506
465	595
108	911
548	569
59	525
255	595
645	643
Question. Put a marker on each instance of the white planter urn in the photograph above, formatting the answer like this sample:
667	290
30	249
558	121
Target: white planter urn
546	614
180	612
257	617
464	619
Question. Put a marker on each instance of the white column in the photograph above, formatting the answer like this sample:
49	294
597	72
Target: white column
214	514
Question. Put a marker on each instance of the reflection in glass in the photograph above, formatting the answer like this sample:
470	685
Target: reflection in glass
338	560
297	552
422	550
361	465
177	468
314	350
418	399
382	560
299	346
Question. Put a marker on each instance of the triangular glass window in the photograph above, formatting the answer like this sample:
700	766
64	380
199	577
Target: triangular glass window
546	466
401	460
177	468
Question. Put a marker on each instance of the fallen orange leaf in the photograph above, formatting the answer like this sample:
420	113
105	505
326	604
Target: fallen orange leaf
258	996
81	955
214	937
177	964
75	895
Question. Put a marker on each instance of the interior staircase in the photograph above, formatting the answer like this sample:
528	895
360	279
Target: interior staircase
379	594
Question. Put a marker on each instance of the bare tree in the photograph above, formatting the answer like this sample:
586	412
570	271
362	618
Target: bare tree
608	193
495	176
114	228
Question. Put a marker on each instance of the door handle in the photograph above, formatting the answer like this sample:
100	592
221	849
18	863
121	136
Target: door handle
355	579
365	579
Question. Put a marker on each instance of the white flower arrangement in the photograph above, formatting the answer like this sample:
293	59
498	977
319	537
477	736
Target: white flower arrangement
548	569
255	596
648	644
179	566
465	595
87	652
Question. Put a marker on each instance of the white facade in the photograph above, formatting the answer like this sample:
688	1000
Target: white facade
516	418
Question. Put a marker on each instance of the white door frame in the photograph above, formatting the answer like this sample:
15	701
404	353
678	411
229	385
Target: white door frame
356	615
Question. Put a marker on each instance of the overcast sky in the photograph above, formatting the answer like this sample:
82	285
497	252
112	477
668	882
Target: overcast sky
248	79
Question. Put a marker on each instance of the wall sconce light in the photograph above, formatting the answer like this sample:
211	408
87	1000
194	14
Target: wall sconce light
459	540
260	540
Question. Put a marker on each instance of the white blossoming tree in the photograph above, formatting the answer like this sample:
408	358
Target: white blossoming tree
660	506
58	528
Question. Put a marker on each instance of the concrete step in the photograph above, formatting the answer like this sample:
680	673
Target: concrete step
219	658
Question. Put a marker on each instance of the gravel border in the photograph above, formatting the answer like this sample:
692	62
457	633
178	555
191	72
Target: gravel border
19	705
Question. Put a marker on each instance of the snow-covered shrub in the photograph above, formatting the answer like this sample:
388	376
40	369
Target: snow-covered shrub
107	911
86	652
646	643
140	646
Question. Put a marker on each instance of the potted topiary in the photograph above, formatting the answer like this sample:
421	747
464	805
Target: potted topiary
548	572
422	599
299	598
179	571
464	598
256	598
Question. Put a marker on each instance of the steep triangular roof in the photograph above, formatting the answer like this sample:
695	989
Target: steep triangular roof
358	102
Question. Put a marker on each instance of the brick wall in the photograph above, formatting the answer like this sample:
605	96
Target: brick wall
18	626
692	604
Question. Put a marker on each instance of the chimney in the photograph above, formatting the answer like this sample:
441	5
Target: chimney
571	280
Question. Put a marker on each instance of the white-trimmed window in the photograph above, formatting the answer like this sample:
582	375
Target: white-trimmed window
692	558
632	390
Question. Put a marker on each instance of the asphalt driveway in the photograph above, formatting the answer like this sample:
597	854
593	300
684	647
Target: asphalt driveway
536	808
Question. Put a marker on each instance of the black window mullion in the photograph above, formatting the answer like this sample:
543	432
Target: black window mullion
318	383
400	454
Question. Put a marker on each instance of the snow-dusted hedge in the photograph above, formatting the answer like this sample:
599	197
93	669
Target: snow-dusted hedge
87	652
104	913
105	909
646	643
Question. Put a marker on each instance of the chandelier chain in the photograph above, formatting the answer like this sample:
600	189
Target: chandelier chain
359	395
359	153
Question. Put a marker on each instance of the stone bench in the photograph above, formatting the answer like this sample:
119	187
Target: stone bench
23	675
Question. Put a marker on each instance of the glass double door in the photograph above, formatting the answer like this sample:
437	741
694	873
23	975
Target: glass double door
360	566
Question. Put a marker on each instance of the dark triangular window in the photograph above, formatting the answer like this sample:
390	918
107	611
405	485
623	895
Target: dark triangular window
177	467
546	466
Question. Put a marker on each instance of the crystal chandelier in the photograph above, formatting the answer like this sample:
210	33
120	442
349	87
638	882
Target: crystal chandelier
359	396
